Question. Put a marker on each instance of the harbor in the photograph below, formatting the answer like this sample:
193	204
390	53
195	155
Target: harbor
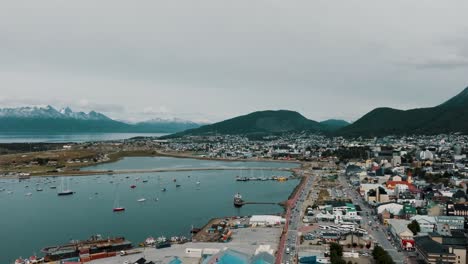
169	213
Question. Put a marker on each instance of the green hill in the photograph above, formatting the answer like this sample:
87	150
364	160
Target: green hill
334	124
449	117
260	123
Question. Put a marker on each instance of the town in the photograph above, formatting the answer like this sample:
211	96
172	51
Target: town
380	200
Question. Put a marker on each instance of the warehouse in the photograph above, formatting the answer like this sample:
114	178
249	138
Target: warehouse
264	220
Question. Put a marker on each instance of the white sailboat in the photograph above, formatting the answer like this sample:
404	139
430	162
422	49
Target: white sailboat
67	191
117	207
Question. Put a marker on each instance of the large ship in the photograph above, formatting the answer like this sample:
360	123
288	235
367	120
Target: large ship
86	248
238	202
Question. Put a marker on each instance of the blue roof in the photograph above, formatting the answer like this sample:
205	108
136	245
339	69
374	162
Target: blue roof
175	261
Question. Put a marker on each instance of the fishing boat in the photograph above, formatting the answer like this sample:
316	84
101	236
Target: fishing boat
67	191
238	202
162	242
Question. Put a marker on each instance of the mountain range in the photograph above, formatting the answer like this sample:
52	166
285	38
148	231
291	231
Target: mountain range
50	120
448	117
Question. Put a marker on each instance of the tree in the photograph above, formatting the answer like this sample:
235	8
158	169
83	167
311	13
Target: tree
381	256
336	254
414	227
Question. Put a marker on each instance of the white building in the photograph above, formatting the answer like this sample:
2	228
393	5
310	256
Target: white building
426	223
264	220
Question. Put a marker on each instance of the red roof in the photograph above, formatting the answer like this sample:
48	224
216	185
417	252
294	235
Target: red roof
391	185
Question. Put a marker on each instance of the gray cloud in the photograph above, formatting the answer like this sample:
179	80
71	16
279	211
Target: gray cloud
214	59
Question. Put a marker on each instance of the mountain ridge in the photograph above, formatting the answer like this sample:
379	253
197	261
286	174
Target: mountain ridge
261	123
448	117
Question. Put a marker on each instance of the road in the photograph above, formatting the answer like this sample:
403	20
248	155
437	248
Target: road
377	229
291	243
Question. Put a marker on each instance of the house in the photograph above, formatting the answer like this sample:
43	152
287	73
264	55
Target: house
401	233
454	222
435	249
460	209
426	223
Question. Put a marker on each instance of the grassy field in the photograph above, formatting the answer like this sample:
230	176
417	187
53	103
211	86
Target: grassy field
38	162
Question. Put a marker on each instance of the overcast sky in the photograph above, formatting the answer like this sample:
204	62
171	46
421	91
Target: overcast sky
211	60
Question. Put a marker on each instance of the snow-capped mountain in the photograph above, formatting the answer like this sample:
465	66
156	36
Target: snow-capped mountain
49	112
47	119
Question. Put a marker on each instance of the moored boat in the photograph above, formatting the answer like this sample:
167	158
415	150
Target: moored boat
238	202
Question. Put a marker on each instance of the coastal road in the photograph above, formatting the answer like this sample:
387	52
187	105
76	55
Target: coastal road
291	241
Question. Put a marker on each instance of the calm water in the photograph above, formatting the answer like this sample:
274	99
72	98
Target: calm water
78	137
29	223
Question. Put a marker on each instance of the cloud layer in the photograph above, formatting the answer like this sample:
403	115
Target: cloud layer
212	59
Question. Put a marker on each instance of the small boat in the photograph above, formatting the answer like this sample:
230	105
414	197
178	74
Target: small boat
156	199
39	189
178	185
145	181
53	187
175	180
118	209
198	183
28	194
133	186
141	200
66	192
150	241
163	189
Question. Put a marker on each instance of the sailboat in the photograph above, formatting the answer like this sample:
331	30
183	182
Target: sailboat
141	200
117	207
64	191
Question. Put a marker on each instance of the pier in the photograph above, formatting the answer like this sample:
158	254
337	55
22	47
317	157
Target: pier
271	203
